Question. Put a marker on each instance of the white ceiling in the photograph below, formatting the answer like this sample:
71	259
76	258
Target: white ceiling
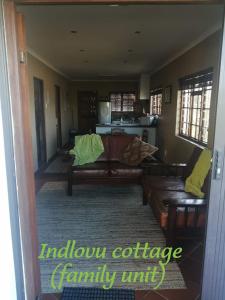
107	32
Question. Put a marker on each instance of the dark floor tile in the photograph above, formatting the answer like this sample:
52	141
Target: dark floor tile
51	296
151	295
139	294
198	253
184	294
38	185
189	247
51	177
191	285
191	270
40	180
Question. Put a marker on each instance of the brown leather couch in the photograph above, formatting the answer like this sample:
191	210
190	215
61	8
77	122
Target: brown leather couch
108	168
180	214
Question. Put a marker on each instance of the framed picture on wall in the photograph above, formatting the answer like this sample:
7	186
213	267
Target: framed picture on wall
168	94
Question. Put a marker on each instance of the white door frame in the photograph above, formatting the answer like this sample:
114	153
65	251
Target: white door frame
11	270
213	284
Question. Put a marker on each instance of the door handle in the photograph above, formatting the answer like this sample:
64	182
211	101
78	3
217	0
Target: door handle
218	165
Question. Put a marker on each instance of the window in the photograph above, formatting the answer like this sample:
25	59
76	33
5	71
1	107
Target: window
156	102
194	106
122	101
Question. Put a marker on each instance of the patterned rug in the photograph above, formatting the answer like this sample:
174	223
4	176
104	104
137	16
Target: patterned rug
98	216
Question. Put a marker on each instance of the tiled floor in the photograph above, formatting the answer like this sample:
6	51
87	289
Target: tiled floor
190	265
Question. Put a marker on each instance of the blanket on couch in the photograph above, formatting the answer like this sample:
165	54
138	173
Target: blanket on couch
87	149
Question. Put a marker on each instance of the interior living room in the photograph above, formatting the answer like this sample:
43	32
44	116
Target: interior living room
142	78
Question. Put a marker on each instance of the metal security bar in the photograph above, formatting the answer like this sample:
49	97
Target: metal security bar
195	98
122	102
156	102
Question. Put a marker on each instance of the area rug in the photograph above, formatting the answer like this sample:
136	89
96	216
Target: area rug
97	216
97	294
59	165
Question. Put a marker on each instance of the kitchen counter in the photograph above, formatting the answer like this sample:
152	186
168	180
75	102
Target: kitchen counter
136	129
125	125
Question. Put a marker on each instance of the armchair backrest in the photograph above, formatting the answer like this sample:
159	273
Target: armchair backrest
117	144
114	146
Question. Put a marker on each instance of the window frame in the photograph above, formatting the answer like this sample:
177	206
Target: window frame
122	100
196	81
156	92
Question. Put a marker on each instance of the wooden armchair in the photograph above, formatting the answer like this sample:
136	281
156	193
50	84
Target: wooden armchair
193	222
180	214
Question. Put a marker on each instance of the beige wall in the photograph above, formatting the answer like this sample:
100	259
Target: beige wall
172	148
202	56
103	89
69	109
50	79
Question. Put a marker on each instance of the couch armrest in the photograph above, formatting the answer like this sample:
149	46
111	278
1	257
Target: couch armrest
191	202
173	204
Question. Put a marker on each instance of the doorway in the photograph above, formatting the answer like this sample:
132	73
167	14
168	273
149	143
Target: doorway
40	122
58	117
87	112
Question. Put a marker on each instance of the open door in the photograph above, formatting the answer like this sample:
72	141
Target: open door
214	263
87	111
40	121
20	110
58	117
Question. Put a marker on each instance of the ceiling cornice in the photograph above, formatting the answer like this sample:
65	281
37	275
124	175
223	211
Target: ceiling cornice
191	45
106	80
45	62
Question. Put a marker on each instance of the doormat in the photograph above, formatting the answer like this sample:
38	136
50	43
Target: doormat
80	293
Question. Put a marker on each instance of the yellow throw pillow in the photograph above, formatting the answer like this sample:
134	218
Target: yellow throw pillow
195	181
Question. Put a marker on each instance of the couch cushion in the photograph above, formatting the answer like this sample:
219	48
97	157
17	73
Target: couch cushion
136	151
122	170
97	169
151	183
161	210
117	144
